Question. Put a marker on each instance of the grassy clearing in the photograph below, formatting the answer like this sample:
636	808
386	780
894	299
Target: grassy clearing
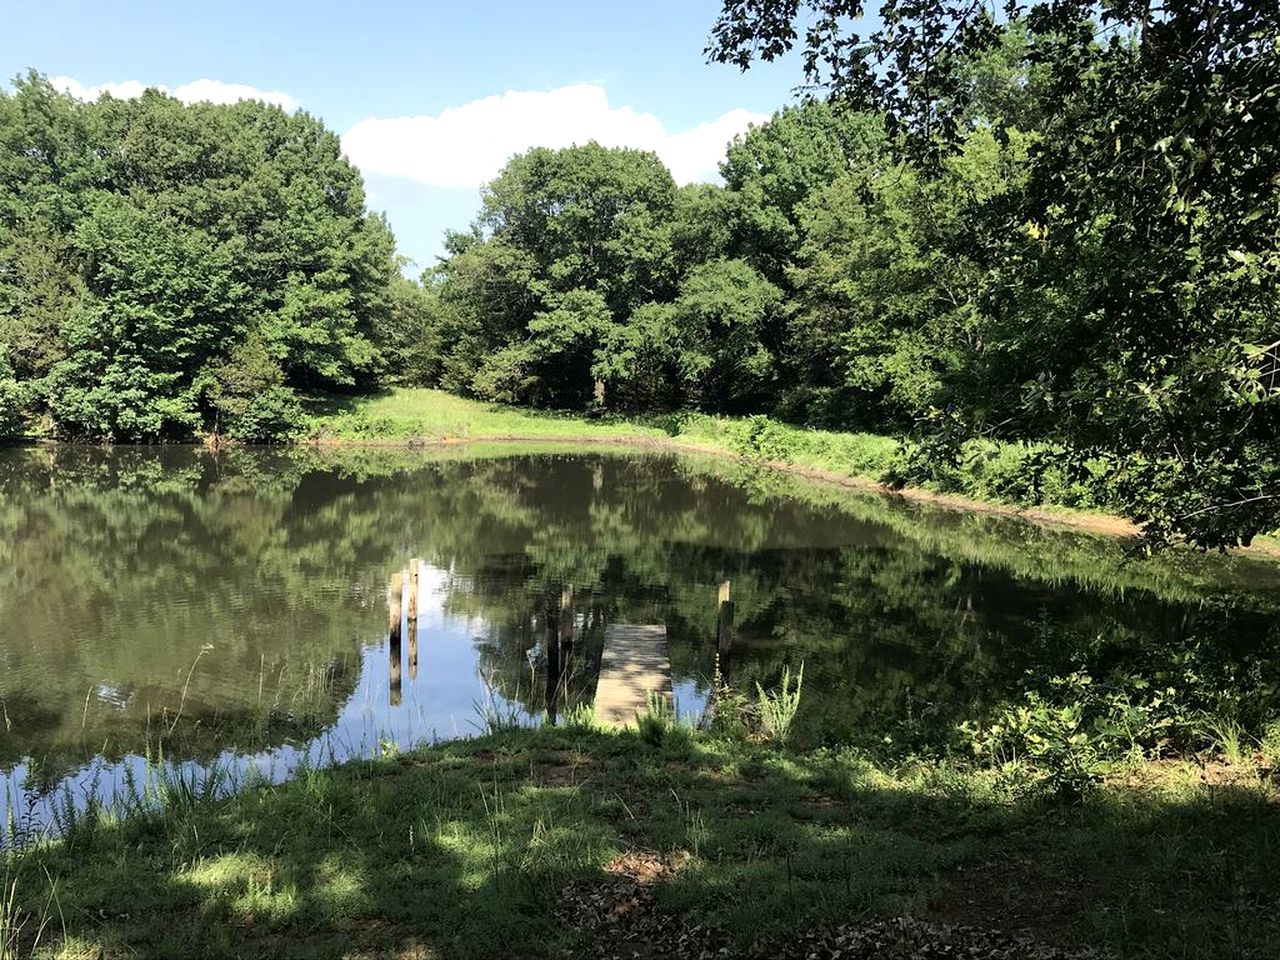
992	473
406	415
409	414
1015	474
465	849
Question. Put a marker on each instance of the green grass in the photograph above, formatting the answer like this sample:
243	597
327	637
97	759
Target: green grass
989	471
405	415
464	850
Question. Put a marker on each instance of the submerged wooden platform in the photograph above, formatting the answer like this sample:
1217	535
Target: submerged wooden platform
635	664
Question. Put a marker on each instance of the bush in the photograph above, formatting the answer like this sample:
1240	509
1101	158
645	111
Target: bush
271	416
13	400
1270	746
760	438
777	711
1072	732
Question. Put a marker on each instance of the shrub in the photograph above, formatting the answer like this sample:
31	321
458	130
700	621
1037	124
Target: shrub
13	399
1270	745
270	416
760	438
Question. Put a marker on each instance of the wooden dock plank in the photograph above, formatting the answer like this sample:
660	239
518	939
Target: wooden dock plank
635	663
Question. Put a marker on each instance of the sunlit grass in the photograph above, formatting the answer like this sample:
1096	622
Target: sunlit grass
465	848
406	413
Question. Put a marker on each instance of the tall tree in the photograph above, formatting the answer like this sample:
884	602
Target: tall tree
568	243
145	243
1139	279
775	167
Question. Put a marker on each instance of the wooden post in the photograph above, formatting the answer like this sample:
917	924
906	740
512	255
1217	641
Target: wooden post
551	650
413	588
566	615
414	567
395	605
724	630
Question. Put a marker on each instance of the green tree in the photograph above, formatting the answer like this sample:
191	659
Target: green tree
888	323
162	299
146	243
13	399
1133	303
567	245
775	167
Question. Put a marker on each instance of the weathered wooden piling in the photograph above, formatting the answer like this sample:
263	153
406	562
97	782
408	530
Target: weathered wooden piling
559	642
551	657
566	615
395	608
415	566
724	629
413	589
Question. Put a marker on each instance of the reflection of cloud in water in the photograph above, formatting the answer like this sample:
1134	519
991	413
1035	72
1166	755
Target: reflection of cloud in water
909	619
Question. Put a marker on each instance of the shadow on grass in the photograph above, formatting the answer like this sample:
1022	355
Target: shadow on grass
339	404
463	850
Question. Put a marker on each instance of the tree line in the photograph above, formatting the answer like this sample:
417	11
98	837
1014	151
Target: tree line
167	269
1059	228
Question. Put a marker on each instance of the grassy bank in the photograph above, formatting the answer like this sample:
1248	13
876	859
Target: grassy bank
993	472
571	841
407	415
1008	476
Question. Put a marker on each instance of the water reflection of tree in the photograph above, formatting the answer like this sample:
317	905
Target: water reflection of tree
907	619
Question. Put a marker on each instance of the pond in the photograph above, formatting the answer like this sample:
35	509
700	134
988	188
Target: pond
177	609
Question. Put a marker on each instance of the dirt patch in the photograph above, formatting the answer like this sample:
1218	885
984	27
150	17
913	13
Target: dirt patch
558	774
824	809
1015	895
618	918
641	866
560	769
1157	774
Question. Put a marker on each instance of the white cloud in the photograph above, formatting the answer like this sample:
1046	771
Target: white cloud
212	91
466	146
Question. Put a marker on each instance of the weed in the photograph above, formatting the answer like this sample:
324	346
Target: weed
657	721
21	931
1270	744
1228	737
580	716
729	712
777	711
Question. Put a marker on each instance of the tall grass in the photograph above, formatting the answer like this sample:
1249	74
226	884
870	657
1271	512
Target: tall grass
21	931
1228	737
777	711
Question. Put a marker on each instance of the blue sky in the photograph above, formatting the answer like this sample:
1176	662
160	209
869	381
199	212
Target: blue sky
420	90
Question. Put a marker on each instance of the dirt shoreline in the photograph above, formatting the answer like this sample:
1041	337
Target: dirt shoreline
1105	524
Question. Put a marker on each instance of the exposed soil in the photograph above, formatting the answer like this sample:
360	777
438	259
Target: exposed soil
1014	895
620	919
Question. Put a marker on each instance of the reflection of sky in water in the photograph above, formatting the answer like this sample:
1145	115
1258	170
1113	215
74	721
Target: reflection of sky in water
445	701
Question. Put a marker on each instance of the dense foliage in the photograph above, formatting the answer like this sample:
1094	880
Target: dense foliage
1042	248
1046	230
1117	290
169	268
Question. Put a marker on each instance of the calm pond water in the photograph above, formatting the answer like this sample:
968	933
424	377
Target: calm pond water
188	607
